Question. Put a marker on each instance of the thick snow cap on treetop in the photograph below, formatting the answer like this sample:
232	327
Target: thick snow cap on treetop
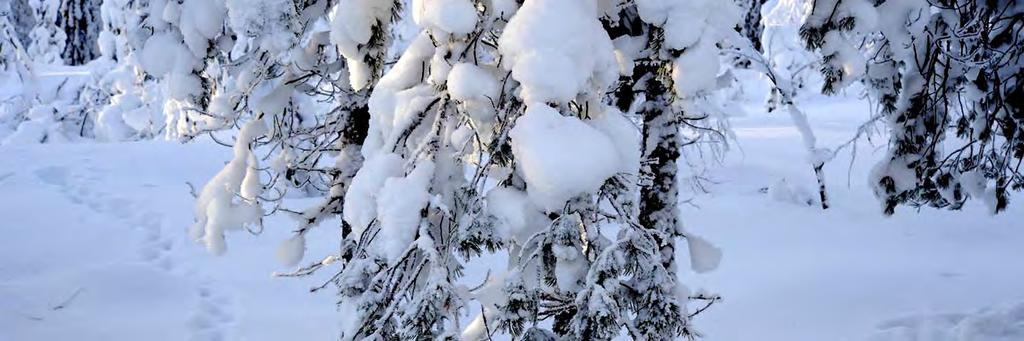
557	49
561	157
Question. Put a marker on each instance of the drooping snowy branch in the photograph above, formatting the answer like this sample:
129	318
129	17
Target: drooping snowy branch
935	70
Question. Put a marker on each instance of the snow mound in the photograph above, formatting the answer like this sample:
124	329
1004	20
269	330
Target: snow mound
1001	323
783	191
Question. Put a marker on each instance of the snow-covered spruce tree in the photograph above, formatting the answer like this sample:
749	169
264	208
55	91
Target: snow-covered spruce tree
566	146
492	132
80	21
579	158
936	70
47	40
413	210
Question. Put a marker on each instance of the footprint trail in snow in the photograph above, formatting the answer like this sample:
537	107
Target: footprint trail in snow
212	317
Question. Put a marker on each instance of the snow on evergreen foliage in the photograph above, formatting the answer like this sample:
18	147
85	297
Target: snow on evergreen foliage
47	41
947	81
15	70
10	43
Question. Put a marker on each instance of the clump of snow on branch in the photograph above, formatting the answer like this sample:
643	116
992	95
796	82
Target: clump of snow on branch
352	23
561	157
398	209
451	16
230	200
557	50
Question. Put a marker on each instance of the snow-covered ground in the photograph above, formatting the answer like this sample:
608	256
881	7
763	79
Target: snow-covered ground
794	272
94	247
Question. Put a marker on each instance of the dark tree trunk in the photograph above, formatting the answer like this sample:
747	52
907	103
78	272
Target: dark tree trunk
80	20
660	193
752	27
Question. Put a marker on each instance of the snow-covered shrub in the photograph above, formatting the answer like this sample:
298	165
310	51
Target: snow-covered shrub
106	99
124	103
413	209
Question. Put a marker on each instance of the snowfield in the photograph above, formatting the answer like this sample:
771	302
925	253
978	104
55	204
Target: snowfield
793	272
95	247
